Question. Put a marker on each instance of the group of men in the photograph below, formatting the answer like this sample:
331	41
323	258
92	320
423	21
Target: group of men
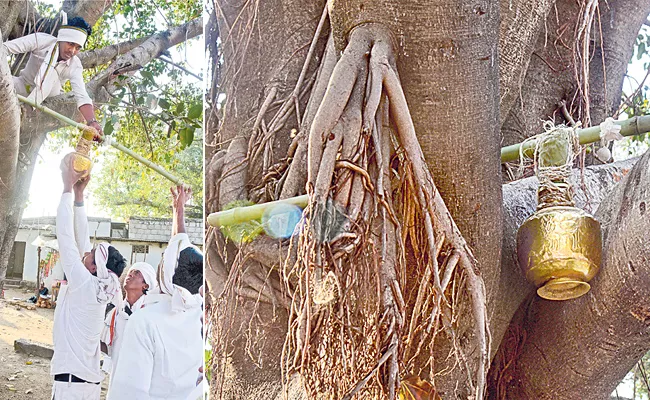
152	335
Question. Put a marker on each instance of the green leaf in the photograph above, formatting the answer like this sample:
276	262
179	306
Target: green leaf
180	108
164	104
641	51
147	75
108	128
195	111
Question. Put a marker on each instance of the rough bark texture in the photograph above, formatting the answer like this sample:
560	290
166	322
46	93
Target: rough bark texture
620	22
452	41
9	9
582	348
90	10
9	143
520	26
253	67
549	77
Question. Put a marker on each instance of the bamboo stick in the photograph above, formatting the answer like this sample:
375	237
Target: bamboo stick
157	168
630	127
238	215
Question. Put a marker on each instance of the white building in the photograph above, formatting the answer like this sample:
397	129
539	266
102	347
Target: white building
140	239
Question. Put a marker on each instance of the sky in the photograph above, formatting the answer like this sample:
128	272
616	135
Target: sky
46	184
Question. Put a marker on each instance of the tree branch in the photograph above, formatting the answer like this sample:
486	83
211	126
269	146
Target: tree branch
147	51
93	58
187	71
90	10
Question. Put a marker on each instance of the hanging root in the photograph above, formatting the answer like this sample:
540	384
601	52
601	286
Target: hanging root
378	239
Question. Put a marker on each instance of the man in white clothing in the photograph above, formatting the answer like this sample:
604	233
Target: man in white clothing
52	62
92	282
162	348
141	290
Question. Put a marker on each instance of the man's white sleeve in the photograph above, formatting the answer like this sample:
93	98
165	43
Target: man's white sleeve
134	367
75	272
81	233
25	44
77	83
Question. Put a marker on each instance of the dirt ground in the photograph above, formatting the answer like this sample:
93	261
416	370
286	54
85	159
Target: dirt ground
24	377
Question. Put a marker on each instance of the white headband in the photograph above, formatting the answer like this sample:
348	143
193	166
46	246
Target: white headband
72	34
101	258
148	274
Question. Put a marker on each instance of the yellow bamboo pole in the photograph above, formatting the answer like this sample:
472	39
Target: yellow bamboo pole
109	140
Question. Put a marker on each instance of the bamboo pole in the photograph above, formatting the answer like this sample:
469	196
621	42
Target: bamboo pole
243	214
630	127
109	140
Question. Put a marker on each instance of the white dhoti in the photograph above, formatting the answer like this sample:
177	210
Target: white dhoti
75	391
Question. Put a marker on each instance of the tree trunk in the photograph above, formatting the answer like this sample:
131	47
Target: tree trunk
9	143
620	22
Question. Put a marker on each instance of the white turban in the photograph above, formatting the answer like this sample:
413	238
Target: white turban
148	274
72	34
182	299
108	289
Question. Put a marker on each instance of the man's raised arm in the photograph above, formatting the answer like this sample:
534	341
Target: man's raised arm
81	232
76	273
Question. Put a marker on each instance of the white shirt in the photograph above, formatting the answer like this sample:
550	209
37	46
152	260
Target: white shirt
39	45
160	354
78	317
115	324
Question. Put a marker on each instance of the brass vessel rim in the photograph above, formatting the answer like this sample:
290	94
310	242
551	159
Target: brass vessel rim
563	289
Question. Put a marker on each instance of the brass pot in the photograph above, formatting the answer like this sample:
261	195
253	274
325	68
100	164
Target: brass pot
559	251
81	162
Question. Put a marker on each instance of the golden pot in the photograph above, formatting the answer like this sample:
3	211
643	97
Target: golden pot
559	251
81	162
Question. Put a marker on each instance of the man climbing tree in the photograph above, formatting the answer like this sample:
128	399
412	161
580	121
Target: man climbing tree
52	62
390	115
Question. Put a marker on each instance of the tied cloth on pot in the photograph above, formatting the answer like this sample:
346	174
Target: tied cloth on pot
45	79
108	288
182	299
555	150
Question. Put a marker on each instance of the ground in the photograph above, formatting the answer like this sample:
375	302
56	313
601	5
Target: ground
23	377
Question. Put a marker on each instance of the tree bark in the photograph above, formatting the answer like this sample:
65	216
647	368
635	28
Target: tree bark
9	144
620	22
89	10
549	77
519	29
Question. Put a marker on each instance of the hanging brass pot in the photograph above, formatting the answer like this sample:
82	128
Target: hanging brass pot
559	251
559	247
81	156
